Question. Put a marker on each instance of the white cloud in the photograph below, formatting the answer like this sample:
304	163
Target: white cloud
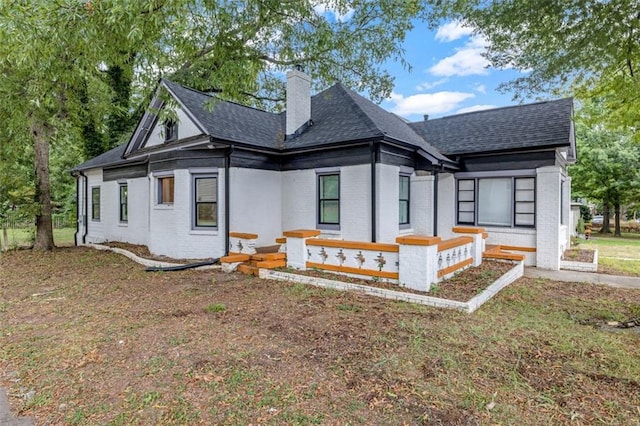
453	31
427	103
481	88
344	16
475	108
426	85
468	60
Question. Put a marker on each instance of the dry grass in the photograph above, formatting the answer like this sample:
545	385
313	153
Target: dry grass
102	342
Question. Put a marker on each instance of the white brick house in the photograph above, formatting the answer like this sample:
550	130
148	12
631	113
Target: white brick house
334	162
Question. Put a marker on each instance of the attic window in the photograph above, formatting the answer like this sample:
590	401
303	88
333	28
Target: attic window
170	130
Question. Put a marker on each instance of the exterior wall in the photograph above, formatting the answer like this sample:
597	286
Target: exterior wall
422	205
446	205
550	237
567	220
387	204
355	203
299	202
95	228
186	129
171	232
82	214
299	199
256	204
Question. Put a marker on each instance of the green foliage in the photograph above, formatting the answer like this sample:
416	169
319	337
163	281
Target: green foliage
76	75
587	46
215	307
608	168
585	213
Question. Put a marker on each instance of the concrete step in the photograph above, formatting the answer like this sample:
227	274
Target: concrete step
271	264
248	269
233	258
269	256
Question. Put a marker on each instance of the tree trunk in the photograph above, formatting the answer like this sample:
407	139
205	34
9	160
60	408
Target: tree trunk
606	217
616	207
5	238
44	228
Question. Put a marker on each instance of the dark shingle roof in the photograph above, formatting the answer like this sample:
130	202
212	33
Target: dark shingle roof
113	156
537	125
230	121
342	115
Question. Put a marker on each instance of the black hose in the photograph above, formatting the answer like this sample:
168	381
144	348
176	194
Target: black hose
181	267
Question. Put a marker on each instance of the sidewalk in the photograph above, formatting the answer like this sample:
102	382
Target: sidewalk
618	281
6	418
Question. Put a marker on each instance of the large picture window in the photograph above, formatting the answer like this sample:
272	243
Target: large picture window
499	201
329	199
205	201
166	187
124	198
95	203
404	199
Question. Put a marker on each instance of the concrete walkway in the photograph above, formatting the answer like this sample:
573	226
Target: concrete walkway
584	277
6	418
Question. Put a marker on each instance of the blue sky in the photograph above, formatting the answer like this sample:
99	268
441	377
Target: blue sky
449	75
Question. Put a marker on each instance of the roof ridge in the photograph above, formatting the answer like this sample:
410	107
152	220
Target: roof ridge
218	98
368	120
569	98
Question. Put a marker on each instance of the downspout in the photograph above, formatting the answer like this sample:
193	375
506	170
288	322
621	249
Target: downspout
227	208
85	207
435	202
75	236
372	147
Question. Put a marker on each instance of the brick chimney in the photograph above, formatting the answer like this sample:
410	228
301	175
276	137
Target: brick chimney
298	99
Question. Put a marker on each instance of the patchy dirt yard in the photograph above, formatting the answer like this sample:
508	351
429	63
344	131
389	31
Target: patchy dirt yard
88	337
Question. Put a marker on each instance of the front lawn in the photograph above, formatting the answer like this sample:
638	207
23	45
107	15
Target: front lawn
616	255
88	337
22	237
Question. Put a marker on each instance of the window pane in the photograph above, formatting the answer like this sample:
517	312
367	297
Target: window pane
466	185
330	212
494	202
465	196
465	217
206	214
329	186
206	190
524	195
525	208
404	187
404	212
525	219
166	186
95	195
465	207
525	183
123	203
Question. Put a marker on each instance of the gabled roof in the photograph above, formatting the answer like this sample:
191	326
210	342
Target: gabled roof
537	125
229	121
341	115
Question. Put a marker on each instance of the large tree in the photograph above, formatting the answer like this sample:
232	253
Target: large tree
590	47
608	170
68	64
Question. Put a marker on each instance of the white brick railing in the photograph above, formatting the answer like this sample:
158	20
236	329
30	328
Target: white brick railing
345	257
415	261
